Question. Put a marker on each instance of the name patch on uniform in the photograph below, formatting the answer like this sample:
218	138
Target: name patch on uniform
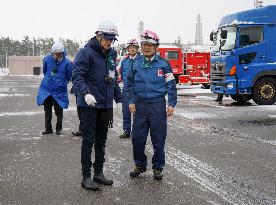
169	77
111	74
160	73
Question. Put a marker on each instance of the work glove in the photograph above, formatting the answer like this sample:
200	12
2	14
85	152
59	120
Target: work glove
119	108
90	99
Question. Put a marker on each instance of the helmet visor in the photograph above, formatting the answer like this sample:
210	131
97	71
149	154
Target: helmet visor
110	37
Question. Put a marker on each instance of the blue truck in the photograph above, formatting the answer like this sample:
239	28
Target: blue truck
243	60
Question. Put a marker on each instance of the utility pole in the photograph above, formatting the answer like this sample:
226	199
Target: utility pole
6	59
258	3
33	46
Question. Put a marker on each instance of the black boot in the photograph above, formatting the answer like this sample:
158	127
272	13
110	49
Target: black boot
88	184
47	132
137	171
100	178
58	132
78	133
157	174
125	135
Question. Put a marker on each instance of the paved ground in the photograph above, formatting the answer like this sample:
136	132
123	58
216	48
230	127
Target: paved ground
216	154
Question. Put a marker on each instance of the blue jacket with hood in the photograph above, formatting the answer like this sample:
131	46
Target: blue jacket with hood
90	70
56	77
150	81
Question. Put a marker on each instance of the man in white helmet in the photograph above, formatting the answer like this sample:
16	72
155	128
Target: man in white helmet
124	66
57	71
95	84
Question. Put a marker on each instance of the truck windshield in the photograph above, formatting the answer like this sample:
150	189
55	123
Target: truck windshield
230	40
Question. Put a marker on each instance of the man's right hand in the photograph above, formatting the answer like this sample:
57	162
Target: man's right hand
90	99
132	108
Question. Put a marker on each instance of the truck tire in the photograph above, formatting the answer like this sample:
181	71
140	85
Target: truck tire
241	99
176	77
264	91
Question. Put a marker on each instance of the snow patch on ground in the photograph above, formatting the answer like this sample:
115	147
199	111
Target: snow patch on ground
193	89
196	115
4	71
14	95
30	113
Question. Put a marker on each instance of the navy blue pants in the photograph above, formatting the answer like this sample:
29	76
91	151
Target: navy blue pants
93	133
126	114
149	116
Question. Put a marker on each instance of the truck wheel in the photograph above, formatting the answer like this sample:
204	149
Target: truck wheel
176	77
206	86
264	91
241	99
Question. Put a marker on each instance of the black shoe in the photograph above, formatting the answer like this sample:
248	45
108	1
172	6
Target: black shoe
100	179
137	171
78	133
88	184
218	100
125	135
58	132
47	132
157	174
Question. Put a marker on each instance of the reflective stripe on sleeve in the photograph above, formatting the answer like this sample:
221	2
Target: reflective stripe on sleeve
169	77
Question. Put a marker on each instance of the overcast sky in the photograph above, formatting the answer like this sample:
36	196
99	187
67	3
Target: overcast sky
78	19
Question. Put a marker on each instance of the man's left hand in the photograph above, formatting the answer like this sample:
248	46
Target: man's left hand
170	111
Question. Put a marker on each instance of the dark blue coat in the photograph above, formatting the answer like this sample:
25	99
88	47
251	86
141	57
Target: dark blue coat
55	84
126	65
150	82
90	70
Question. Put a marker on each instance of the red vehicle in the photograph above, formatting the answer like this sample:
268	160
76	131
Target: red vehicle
197	69
175	57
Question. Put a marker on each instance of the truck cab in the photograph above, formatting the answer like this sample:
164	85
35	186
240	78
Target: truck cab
243	60
174	56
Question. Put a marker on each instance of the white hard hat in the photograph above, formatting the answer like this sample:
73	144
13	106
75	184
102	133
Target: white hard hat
57	47
133	42
108	29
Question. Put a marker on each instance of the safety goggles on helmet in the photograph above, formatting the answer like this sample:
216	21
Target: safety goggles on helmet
150	37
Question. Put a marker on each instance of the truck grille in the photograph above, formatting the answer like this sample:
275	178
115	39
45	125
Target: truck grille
218	71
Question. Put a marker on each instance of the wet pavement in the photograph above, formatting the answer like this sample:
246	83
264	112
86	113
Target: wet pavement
215	154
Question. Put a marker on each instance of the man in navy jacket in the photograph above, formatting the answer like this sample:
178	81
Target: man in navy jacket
148	82
124	66
94	79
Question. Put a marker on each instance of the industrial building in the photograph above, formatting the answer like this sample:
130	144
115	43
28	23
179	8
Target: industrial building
25	65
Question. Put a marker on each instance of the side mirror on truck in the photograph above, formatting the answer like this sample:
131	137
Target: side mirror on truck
212	36
223	34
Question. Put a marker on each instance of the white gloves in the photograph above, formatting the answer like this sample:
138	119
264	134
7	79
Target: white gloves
118	108
90	99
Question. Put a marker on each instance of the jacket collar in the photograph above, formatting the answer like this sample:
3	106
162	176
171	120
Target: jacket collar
94	44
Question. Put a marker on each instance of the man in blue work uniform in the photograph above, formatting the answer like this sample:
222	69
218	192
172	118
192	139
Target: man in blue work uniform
57	70
124	67
94	80
149	80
